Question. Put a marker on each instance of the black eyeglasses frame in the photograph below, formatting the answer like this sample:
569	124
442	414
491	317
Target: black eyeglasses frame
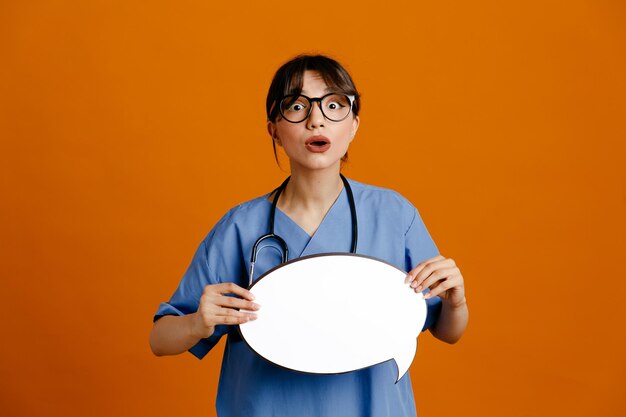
350	97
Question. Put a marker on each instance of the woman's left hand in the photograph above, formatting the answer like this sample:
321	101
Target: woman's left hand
442	276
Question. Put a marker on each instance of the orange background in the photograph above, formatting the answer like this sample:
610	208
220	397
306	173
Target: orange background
128	128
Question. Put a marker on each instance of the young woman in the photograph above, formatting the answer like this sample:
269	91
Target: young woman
312	108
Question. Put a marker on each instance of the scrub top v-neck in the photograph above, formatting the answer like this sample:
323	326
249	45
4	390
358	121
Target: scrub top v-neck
338	215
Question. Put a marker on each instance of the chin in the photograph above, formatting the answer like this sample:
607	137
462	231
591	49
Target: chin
316	166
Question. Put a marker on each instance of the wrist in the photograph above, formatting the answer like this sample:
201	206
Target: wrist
197	329
455	305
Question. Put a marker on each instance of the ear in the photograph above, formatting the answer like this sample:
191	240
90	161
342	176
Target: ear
271	129
355	126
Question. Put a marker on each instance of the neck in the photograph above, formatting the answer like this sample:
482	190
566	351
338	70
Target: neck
312	191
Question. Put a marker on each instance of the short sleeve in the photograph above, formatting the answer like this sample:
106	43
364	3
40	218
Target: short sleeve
213	260
419	247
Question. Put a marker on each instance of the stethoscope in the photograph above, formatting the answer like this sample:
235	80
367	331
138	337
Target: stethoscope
281	241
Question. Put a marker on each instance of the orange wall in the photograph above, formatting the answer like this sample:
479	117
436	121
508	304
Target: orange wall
128	128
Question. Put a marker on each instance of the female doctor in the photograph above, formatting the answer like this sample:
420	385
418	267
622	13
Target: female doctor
312	108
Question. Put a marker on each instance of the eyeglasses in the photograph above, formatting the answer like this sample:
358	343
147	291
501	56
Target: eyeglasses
297	108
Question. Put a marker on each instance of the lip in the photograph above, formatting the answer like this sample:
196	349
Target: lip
317	144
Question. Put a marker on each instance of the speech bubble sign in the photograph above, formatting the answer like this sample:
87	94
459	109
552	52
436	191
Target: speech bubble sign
335	313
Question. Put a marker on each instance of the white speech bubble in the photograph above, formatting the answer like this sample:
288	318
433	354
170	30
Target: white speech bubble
335	313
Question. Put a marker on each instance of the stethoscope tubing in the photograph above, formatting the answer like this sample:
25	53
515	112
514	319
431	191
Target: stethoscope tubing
281	241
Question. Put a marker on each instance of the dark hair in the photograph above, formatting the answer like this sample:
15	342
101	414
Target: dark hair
288	80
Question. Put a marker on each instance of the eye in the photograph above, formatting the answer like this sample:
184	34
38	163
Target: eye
335	102
334	105
296	107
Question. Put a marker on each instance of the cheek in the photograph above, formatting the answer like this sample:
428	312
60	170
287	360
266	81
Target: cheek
286	131
347	132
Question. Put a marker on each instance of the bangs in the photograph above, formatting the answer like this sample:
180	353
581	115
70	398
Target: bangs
332	78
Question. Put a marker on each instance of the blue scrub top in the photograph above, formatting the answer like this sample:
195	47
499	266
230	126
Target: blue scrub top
390	228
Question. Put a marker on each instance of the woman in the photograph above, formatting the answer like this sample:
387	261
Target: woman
312	109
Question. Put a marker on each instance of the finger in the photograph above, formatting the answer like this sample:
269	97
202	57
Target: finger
218	315
232	302
438	275
224	312
430	269
235	320
431	287
230	316
442	287
230	288
425	272
419	267
453	282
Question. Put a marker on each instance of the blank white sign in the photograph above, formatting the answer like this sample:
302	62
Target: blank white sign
335	313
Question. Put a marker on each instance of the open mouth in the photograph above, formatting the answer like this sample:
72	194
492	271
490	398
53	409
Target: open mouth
317	144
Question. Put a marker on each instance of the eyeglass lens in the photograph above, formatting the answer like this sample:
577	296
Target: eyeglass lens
335	107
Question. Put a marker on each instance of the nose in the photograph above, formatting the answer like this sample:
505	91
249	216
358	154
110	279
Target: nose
316	118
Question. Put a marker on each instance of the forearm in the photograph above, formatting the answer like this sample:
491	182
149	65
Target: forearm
172	335
451	323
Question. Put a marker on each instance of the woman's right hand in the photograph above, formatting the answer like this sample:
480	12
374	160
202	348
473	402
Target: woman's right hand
218	308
